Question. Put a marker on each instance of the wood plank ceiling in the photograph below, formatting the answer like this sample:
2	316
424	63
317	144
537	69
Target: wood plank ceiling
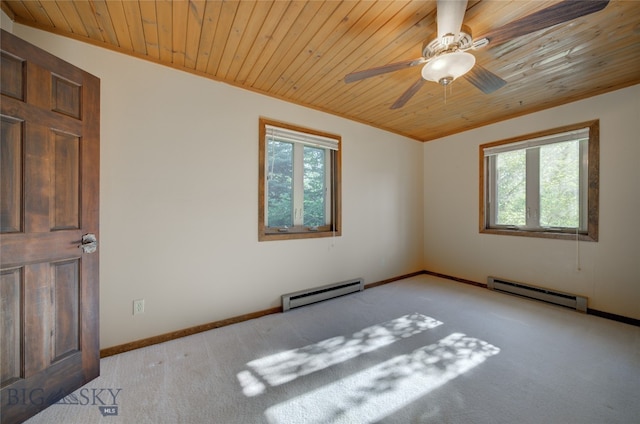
300	51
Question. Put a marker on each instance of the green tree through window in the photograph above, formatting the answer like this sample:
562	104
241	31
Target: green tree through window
314	187
280	183
560	185
511	188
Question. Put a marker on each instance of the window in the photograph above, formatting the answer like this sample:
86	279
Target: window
299	184
543	184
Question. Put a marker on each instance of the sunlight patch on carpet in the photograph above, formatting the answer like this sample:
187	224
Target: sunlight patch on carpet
284	367
379	391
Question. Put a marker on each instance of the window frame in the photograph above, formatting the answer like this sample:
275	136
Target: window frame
334	228
591	191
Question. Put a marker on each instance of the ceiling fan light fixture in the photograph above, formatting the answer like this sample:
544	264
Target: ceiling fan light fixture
448	66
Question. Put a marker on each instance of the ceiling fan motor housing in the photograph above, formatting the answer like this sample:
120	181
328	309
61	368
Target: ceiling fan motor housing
447	44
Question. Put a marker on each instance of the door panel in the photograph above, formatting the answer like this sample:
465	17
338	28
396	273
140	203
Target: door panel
66	290
66	97
12	77
48	199
10	349
66	174
11	131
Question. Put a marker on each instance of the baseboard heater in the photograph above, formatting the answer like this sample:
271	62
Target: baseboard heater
317	294
573	301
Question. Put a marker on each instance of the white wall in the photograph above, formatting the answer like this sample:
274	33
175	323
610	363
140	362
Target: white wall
5	22
609	269
179	177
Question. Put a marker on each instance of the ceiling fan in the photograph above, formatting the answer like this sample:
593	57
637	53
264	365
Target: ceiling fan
447	57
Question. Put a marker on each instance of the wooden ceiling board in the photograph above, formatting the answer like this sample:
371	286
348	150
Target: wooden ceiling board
243	54
86	16
9	10
345	31
102	17
164	18
150	29
310	17
241	36
195	22
317	45
55	15
37	13
136	26
119	23
262	41
179	19
300	51
212	16
274	38
340	63
396	31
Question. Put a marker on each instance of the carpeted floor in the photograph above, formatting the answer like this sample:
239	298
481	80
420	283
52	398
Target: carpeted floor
421	350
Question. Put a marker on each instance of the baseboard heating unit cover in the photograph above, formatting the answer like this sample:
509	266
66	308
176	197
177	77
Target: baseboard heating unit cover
573	301
317	294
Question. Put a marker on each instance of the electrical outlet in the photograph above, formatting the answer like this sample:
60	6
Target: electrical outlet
138	306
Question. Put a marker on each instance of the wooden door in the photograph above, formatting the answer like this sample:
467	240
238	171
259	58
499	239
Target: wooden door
49	170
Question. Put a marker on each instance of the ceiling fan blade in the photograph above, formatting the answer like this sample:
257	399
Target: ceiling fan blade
564	11
485	80
450	17
372	72
402	100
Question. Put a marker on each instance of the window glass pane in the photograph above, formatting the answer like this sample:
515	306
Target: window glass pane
560	185
511	188
279	184
314	187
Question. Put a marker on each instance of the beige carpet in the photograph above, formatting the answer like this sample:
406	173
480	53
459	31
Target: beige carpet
422	350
